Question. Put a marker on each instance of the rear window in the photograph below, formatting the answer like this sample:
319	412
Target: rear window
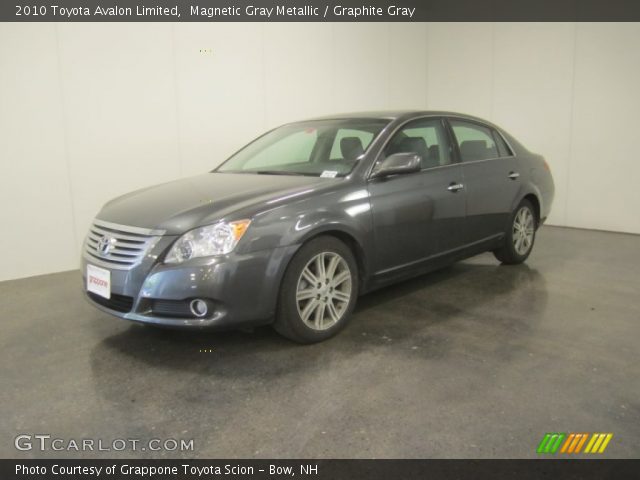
475	142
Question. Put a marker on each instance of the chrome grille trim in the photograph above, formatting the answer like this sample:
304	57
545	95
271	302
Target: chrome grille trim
127	228
129	244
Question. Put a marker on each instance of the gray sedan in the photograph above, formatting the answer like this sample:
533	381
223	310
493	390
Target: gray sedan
294	226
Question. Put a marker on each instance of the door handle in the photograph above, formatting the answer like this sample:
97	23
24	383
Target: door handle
454	187
513	175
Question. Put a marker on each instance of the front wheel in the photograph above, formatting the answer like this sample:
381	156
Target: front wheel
318	292
519	238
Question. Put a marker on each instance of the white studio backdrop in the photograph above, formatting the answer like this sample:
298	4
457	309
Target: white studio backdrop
89	111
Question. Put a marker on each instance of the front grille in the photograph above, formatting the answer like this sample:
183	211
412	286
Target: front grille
118	247
119	303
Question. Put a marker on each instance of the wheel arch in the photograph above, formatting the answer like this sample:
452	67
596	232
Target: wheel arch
350	240
529	191
531	197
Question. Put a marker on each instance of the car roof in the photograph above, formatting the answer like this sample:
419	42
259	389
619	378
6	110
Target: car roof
397	114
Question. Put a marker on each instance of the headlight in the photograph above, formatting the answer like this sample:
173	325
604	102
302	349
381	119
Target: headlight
217	239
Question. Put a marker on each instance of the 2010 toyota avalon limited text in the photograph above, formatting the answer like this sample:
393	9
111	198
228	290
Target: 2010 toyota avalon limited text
297	224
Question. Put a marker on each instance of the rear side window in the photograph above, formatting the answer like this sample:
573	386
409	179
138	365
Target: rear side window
476	142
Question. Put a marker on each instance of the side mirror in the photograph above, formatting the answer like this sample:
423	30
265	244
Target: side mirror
397	164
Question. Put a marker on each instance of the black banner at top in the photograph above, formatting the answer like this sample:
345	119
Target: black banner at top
318	10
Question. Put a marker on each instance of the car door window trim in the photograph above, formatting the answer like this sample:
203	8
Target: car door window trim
454	160
491	129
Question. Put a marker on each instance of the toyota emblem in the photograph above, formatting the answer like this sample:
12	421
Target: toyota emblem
105	244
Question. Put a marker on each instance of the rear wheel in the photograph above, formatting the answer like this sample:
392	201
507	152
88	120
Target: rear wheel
318	292
520	237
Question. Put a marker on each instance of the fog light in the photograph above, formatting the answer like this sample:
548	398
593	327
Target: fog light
199	308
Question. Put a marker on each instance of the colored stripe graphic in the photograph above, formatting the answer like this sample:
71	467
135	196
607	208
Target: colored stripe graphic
581	442
551	442
567	443
605	442
572	443
598	442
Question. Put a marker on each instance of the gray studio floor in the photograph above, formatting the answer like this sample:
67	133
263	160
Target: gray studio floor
476	360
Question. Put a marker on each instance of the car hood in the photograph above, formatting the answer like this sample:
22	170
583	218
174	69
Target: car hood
184	204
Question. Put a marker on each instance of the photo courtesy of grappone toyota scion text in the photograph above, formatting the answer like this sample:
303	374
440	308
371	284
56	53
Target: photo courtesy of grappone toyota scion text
292	228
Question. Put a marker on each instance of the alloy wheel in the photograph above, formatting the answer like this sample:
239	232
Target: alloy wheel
324	291
523	231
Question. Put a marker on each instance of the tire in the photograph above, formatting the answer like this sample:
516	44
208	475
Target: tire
312	312
520	236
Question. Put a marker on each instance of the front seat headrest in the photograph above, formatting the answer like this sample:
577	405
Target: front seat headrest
414	145
351	148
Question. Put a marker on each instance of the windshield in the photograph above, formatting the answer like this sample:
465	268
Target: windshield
327	148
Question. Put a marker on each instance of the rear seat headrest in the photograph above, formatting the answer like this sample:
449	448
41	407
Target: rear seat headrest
474	149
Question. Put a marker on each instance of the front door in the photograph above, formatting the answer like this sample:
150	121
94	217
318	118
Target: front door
419	215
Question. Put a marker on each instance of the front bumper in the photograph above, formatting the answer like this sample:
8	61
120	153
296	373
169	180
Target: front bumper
241	290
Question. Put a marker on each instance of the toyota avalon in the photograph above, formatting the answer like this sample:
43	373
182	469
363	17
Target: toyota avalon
292	228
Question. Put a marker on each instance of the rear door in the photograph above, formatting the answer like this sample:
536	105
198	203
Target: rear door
418	215
491	178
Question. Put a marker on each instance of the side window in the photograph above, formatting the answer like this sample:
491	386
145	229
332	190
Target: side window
349	144
503	148
427	138
475	141
296	148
